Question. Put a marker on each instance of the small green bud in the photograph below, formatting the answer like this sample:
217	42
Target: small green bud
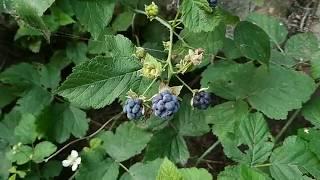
140	52
151	10
166	45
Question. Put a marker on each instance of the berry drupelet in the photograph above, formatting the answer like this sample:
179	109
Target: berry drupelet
133	108
165	104
201	100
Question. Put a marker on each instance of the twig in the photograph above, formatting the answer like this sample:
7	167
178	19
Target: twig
207	152
285	127
83	138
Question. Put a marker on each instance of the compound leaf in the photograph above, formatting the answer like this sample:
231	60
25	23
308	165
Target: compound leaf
127	141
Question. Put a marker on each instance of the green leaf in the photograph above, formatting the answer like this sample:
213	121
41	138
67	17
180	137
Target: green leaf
7	127
312	136
39	6
143	171
270	89
59	121
311	111
189	121
120	46
95	166
197	16
60	16
21	155
282	59
43	150
211	41
99	46
168	171
226	119
51	169
315	65
254	132
302	46
30	12
230	49
294	159
26	131
256	46
123	21
4	165
127	141
7	95
51	72
276	30
34	101
94	15
195	174
21	75
167	143
77	52
242	172
99	82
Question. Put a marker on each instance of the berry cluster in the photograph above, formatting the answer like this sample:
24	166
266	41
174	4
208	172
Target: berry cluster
133	108
213	3
165	104
201	100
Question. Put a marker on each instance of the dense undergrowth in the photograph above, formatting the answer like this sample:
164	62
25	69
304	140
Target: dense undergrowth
181	70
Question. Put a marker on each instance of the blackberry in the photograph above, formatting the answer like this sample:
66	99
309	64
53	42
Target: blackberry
165	104
133	108
213	3
201	100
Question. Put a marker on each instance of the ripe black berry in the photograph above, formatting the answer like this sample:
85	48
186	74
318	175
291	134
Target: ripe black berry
213	3
133	108
165	104
201	100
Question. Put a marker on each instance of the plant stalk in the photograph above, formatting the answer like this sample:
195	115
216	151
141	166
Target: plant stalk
285	127
207	152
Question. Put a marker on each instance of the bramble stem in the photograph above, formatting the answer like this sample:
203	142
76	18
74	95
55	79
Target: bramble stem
166	24
285	127
207	152
84	138
185	84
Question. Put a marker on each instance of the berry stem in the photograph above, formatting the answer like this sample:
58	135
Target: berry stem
149	87
207	152
185	84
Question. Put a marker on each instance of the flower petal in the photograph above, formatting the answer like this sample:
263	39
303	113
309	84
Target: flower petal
77	161
66	163
74	154
74	167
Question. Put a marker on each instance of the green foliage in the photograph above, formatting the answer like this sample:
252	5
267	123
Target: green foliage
311	111
94	15
127	141
77	62
256	46
270	88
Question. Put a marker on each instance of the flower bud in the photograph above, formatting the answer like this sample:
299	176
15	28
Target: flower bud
140	52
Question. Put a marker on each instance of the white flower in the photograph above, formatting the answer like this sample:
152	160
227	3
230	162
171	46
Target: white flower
72	160
306	130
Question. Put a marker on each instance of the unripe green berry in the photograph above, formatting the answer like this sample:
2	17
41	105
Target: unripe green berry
152	10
